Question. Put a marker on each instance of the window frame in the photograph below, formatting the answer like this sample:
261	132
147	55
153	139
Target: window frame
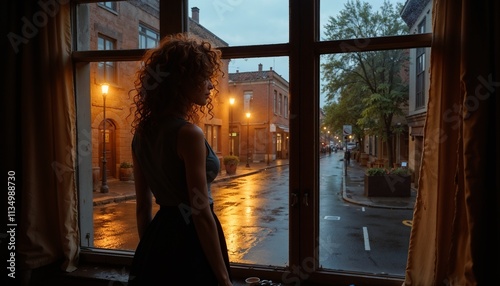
106	70
303	50
143	30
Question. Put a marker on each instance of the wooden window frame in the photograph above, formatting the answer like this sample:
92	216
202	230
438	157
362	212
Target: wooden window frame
303	49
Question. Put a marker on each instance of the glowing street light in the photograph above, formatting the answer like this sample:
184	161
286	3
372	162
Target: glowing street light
104	184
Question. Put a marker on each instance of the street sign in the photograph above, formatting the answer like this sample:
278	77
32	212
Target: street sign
347	130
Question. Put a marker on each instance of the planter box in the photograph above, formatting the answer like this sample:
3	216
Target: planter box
126	174
388	186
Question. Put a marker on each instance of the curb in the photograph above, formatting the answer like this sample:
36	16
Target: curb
117	199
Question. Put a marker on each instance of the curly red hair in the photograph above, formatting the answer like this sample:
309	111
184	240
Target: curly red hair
179	60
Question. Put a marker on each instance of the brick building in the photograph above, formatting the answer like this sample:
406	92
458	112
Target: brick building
263	136
134	25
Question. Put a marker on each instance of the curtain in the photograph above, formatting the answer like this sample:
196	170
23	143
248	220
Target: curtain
40	103
455	233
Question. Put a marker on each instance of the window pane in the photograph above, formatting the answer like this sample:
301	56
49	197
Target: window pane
346	19
364	227
148	38
240	23
253	209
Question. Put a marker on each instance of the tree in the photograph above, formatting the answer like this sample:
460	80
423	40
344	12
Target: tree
345	111
374	82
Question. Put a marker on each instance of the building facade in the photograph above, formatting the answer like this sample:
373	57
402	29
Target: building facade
134	25
418	16
259	116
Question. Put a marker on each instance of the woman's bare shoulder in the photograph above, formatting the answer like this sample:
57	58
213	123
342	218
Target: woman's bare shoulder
190	134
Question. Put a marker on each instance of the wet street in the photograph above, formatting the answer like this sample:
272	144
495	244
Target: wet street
253	211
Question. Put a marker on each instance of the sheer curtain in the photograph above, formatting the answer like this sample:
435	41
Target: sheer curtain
456	218
40	103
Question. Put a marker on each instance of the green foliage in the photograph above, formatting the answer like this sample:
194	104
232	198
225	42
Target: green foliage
126	165
230	160
383	171
401	171
369	89
376	172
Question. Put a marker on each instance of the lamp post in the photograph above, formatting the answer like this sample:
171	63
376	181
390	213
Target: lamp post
231	147
104	184
248	124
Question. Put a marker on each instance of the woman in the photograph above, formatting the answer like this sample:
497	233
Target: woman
183	244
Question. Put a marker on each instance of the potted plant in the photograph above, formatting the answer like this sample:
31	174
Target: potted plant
381	182
126	171
231	163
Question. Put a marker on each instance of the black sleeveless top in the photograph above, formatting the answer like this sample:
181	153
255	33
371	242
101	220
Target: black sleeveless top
156	153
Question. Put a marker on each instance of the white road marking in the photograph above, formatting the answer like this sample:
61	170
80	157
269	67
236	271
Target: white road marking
366	238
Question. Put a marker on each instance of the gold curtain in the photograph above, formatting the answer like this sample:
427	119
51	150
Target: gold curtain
40	103
454	239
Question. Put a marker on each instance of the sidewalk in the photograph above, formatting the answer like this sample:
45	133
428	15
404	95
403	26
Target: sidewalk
352	191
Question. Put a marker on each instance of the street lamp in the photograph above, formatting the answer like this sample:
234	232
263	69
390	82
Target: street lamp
104	184
248	124
231	147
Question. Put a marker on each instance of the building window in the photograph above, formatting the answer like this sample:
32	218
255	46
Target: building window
285	111
106	71
275	102
280	99
420	72
212	136
247	101
148	38
108	5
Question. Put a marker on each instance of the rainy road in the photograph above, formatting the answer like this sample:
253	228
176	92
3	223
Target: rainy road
253	211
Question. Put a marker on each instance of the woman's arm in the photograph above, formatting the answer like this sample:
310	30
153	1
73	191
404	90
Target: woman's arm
192	149
144	198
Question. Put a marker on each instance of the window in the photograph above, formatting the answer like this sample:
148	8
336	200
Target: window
109	5
304	49
106	70
148	38
278	108
275	102
420	69
285	111
247	101
212	136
